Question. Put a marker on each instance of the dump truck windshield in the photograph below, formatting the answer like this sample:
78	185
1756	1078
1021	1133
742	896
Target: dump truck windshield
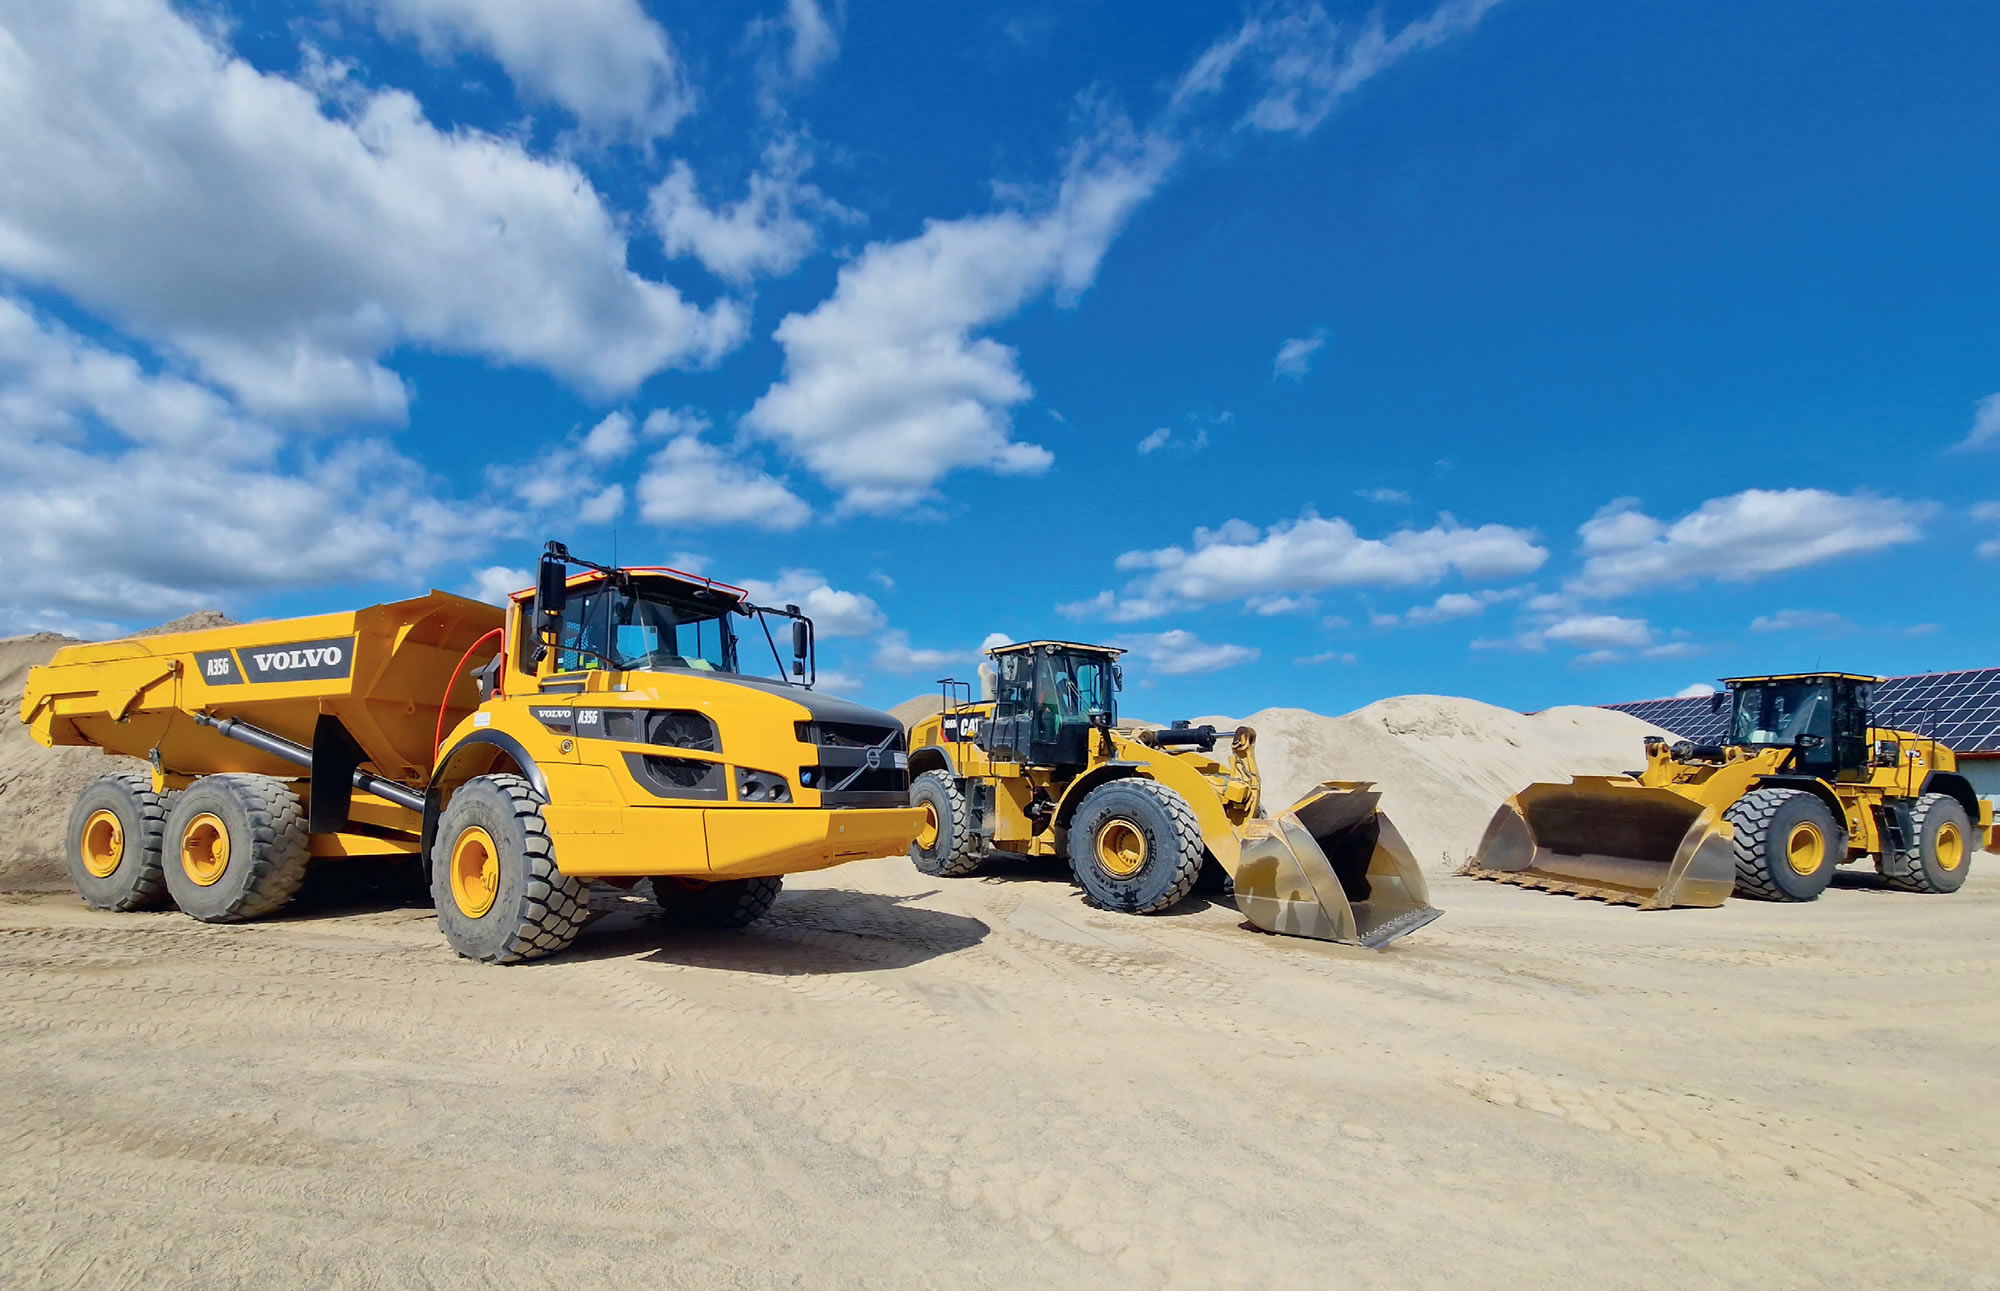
1780	712
644	628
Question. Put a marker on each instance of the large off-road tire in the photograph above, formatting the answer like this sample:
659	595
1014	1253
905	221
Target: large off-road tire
235	848
1940	855
715	903
948	846
113	843
1135	846
1788	844
500	897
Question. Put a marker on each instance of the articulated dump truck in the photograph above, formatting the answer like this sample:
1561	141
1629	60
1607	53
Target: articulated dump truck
601	726
1803	780
1039	767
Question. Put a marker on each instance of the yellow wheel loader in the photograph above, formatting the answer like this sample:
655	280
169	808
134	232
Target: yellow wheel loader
1803	782
1039	767
602	726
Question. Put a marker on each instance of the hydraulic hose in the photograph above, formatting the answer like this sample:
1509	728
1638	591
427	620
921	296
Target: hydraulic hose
437	740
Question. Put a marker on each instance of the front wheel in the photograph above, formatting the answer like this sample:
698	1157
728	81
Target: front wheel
946	846
1135	846
1787	844
1940	852
500	897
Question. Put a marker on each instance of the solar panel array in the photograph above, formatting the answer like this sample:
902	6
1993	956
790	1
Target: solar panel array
1962	709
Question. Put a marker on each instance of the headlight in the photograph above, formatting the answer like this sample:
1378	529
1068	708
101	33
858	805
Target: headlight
761	786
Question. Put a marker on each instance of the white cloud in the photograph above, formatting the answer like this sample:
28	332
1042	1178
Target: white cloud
798	42
1328	656
894	653
285	247
1155	441
1738	537
1112	608
609	439
1985	422
691	482
882	580
994	640
887	388
1600	631
603	506
1387	497
1300	62
837	683
1237	560
605	61
1799	621
767	232
1295	355
1694	690
127	498
495	584
834	613
1178	652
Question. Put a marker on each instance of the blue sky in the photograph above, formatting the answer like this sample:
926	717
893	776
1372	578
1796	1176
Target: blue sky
1535	350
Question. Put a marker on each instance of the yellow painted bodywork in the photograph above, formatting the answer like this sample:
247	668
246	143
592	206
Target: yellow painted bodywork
139	697
1329	867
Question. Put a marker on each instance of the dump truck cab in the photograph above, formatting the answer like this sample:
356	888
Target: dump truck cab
1038	766
1805	777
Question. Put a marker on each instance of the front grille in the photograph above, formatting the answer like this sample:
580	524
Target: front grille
851	735
864	786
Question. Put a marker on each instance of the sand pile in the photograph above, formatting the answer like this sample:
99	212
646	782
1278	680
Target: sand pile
38	785
1442	764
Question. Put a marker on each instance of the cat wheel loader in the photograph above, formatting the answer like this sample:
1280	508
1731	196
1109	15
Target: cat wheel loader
609	730
1039	767
1803	782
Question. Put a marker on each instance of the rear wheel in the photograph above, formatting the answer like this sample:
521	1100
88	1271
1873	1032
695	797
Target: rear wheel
1787	844
235	848
500	898
1940	852
715	903
946	846
113	843
1135	846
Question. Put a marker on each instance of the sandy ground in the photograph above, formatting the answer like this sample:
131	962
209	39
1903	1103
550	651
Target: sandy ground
902	1082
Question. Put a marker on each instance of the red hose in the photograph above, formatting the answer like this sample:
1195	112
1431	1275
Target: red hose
437	742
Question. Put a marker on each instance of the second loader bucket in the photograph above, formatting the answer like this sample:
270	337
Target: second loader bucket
1614	838
1332	867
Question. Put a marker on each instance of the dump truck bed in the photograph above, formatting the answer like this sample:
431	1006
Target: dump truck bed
382	671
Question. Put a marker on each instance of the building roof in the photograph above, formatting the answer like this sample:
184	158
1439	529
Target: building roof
1962	709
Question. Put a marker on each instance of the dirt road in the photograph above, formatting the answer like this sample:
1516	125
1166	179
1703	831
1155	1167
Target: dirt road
904	1082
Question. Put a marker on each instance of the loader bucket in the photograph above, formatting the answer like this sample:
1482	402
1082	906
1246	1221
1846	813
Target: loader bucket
1614	838
1332	867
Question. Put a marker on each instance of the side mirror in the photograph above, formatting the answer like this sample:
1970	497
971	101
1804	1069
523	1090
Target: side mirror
551	594
801	642
1117	677
1715	700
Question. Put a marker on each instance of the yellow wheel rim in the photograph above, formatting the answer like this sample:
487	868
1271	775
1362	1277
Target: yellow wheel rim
205	849
1805	850
1950	847
927	833
1121	849
103	844
475	872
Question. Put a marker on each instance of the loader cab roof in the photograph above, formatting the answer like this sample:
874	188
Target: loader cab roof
1733	682
1073	647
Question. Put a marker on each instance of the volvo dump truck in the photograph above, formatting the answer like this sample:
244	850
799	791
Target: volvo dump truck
1804	781
1039	767
605	725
